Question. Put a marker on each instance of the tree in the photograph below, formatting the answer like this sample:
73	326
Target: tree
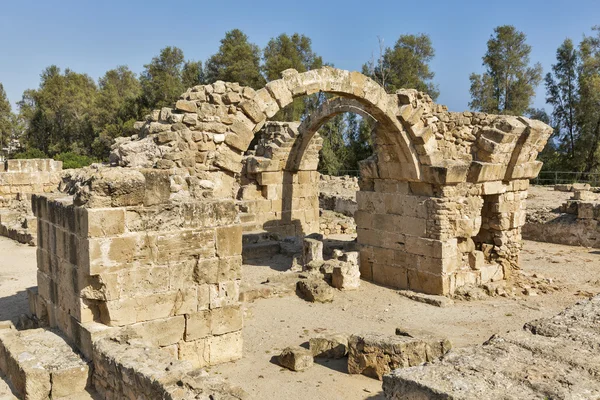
116	108
6	119
161	80
237	60
406	65
192	74
59	114
562	93
284	52
508	85
588	116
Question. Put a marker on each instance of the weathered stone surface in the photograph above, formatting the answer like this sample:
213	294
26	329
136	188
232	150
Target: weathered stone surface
438	301
555	357
315	290
375	355
312	250
41	365
346	276
333	345
296	358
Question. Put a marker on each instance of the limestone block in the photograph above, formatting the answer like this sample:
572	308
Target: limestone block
332	345
312	250
346	276
431	247
476	259
226	320
197	352
270	178
229	241
375	355
197	325
225	348
103	222
224	294
491	273
315	290
185	105
296	358
160	332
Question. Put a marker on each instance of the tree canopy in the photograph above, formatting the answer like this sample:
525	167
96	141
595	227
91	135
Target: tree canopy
237	60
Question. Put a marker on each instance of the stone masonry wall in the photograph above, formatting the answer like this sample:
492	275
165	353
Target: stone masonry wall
115	255
272	196
435	239
19	179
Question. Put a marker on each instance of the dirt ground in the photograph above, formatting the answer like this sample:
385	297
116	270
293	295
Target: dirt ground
274	323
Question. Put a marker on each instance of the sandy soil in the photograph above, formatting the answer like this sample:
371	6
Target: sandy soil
17	272
275	323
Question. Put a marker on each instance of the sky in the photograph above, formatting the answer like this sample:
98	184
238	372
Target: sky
95	36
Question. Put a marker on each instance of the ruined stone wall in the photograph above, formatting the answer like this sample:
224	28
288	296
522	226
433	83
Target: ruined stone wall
435	239
19	179
114	254
574	223
273	197
129	370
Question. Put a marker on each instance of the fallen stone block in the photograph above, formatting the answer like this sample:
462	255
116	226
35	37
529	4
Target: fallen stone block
314	290
296	358
329	346
312	250
346	276
375	355
438	301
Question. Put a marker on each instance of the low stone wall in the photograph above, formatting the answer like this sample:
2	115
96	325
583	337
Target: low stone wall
19	179
168	272
574	223
131	370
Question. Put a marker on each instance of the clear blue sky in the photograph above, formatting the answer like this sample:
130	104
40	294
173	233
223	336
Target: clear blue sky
94	36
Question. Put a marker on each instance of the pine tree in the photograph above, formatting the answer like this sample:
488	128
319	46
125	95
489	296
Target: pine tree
237	60
508	85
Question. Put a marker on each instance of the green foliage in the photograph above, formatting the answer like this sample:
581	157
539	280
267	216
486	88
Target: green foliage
237	60
60	112
192	74
588	116
284	52
6	118
406	65
73	160
29	154
161	79
563	95
573	91
508	85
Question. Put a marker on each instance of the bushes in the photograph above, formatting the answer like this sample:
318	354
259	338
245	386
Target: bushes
30	153
73	160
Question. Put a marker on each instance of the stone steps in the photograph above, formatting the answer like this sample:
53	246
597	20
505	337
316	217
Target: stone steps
40	364
556	357
260	250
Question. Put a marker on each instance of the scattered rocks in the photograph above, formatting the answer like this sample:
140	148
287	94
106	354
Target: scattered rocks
296	358
333	345
312	250
315	290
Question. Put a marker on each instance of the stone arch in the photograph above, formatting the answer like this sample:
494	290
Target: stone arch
312	123
369	97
